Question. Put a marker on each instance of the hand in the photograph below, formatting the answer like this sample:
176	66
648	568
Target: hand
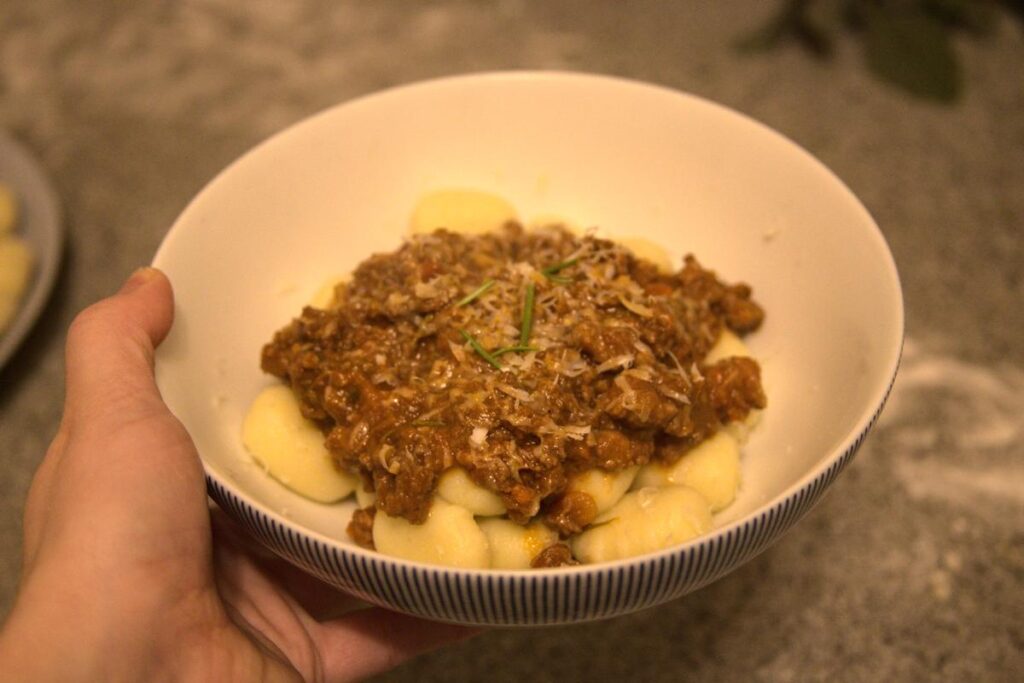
124	577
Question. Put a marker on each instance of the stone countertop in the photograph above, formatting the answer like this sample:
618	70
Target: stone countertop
912	567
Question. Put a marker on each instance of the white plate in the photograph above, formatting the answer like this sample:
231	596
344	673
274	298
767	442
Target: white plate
38	223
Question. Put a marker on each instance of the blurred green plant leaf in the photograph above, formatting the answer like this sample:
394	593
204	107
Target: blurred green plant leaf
912	50
907	43
977	16
778	27
814	28
806	21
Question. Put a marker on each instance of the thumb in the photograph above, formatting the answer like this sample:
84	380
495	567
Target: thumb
109	354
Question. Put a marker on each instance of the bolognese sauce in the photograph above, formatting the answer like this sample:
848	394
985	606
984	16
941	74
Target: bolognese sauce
523	357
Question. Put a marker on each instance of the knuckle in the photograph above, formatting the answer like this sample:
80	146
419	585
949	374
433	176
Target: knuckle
91	318
103	322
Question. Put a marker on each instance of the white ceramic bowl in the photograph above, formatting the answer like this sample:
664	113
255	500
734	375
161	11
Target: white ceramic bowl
635	159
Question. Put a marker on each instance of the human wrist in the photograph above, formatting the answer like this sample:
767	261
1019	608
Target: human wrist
53	635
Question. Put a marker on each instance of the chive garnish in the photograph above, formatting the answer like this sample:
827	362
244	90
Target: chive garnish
513	349
475	345
551	272
427	423
527	322
475	293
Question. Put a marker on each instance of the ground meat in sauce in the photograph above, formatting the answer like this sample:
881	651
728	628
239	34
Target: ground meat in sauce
570	512
611	376
555	555
360	528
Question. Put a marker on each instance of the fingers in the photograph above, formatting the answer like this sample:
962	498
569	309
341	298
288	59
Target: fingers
275	599
319	599
370	641
109	356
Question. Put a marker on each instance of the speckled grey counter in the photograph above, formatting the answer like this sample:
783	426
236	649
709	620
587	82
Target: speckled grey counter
913	566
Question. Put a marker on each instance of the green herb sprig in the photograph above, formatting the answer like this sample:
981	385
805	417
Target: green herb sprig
469	298
526	325
551	272
481	351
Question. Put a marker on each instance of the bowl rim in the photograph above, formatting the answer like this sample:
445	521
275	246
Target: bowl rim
41	224
842	449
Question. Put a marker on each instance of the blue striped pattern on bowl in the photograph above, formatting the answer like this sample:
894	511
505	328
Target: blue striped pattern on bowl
534	598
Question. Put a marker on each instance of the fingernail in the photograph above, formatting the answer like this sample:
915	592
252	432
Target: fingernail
140	277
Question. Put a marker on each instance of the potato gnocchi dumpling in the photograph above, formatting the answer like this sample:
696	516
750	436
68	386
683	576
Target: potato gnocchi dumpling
648	250
17	259
727	346
16	263
292	449
364	498
457	488
712	469
449	536
514	546
466	211
643	521
741	430
606	488
324	297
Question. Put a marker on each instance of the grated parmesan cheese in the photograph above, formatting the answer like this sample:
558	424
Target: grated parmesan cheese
479	436
517	394
625	360
458	351
639	309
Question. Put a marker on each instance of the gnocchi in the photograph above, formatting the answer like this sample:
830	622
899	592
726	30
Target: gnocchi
727	346
450	536
730	345
606	488
645	520
364	498
513	546
292	449
324	297
16	259
466	211
741	430
712	469
456	487
646	249
16	263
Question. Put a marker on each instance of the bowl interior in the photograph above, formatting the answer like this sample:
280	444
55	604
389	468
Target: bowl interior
632	159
